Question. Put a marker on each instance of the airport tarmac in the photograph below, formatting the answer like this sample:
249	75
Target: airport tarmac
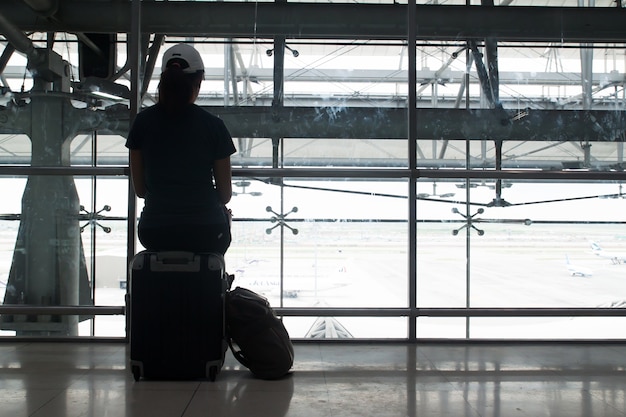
511	267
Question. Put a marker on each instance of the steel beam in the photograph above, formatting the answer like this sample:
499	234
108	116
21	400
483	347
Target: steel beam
328	21
341	122
451	124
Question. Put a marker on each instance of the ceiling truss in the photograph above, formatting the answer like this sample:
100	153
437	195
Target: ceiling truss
471	26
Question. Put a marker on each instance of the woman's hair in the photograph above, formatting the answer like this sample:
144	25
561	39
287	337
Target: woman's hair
176	89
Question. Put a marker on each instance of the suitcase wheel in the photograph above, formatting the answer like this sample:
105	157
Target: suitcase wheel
136	372
212	373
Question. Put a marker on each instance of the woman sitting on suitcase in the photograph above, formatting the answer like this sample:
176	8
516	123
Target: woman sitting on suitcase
180	163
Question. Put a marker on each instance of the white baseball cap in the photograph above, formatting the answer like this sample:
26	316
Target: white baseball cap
186	56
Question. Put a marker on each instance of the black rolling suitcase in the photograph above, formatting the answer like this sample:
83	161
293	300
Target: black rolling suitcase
176	309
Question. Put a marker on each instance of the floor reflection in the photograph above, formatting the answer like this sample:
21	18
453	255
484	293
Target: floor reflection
92	379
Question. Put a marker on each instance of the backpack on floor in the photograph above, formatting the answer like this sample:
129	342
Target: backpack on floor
257	338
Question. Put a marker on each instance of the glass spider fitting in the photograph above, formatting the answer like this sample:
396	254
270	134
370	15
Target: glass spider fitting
279	219
469	221
93	217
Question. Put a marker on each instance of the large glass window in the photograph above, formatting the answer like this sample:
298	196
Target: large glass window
501	218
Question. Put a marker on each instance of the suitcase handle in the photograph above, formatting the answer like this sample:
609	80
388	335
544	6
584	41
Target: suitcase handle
174	261
175	257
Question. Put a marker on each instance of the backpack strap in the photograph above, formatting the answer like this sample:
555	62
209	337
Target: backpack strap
237	353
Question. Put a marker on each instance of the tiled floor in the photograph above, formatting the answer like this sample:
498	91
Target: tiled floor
459	380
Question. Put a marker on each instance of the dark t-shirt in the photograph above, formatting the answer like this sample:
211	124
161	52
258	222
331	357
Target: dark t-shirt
178	153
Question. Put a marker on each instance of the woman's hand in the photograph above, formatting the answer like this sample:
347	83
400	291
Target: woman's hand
229	215
223	176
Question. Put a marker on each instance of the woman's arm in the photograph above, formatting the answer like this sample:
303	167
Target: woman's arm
223	176
136	173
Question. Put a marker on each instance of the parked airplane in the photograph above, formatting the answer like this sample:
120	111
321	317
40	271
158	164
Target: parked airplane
577	270
327	328
616	258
